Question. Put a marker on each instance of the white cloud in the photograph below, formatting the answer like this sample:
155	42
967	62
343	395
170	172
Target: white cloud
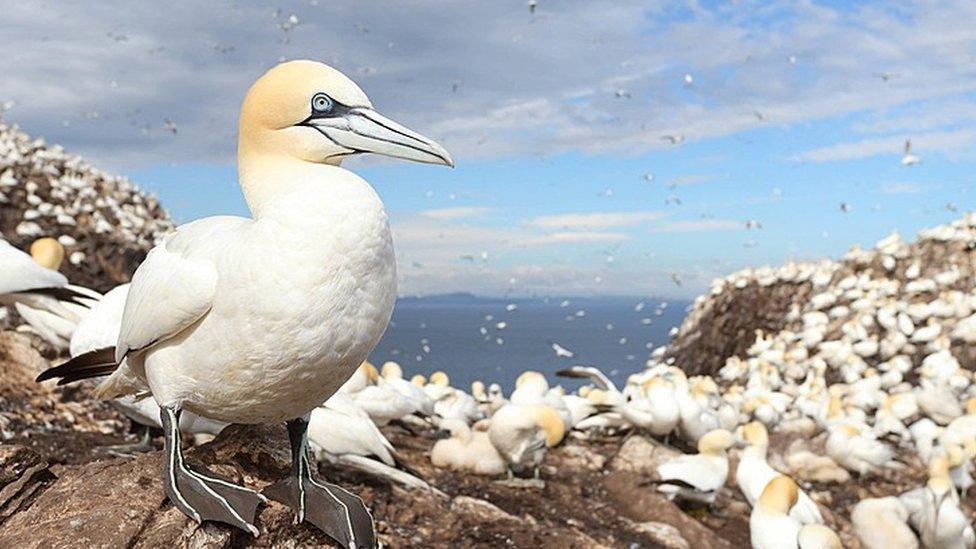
459	212
949	141
594	219
703	225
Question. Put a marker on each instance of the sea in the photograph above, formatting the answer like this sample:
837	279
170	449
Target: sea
495	339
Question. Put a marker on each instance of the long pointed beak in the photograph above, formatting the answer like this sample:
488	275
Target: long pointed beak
362	129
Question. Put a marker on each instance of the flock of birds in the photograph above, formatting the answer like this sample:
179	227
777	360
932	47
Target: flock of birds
868	373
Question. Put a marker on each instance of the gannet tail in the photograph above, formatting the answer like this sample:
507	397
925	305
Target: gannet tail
381	470
99	362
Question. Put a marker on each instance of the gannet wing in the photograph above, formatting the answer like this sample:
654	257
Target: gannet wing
692	470
589	372
169	292
19	272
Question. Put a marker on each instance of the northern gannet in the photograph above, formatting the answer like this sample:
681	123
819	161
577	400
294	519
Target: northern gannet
754	473
698	476
934	510
771	527
882	523
242	320
467	449
39	293
522	432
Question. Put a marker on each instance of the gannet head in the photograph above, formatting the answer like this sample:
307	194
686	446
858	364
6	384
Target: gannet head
419	380
780	495
755	434
715	442
372	375
48	253
440	379
391	370
310	111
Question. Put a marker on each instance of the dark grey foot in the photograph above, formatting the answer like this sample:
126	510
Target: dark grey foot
338	513
204	497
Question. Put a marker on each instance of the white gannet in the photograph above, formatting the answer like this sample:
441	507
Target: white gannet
934	510
39	293
341	432
771	526
467	449
522	432
882	523
698	476
754	473
242	320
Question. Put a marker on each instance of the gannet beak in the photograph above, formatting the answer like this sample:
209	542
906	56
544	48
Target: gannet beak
361	129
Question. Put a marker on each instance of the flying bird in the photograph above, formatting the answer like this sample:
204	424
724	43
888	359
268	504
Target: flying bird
907	158
211	282
674	139
561	352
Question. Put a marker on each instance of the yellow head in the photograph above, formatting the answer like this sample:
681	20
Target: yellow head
440	379
312	112
371	374
780	495
48	253
715	442
971	406
419	380
755	434
549	421
391	370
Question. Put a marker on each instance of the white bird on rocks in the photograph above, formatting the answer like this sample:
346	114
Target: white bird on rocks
771	526
39	293
698	476
522	432
467	449
934	511
857	450
341	432
754	473
882	523
240	320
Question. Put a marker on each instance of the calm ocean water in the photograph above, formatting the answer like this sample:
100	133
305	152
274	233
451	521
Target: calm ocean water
496	339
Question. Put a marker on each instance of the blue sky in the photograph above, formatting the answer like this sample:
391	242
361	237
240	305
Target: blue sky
786	110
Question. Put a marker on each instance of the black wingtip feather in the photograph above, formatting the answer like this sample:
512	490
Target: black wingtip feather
91	364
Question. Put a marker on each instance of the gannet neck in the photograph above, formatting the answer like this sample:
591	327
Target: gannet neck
267	177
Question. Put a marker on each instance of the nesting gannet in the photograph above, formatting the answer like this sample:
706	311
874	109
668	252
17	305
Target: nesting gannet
342	432
882	523
771	526
934	510
857	450
522	432
240	320
467	450
754	473
39	293
698	476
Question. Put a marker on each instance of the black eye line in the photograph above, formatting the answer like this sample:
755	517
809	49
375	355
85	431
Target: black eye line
338	110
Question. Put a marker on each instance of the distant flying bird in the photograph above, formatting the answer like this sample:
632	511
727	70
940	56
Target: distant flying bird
561	351
689	80
907	158
533	4
792	60
951	207
455	86
676	279
759	115
886	76
621	93
170	126
648	177
674	139
672	200
845	207
753	224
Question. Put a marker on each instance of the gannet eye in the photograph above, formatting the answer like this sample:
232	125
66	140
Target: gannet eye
322	104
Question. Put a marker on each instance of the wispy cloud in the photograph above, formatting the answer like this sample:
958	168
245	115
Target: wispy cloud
460	212
947	141
703	225
594	220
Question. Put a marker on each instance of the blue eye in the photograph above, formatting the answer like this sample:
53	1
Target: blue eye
322	103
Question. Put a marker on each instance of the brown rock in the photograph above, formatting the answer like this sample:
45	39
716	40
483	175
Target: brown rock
641	455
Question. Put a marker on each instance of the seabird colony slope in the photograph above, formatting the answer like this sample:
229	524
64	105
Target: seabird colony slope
105	222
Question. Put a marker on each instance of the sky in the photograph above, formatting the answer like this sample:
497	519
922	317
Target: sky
601	147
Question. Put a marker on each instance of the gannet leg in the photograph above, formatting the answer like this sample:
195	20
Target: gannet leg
203	497
338	513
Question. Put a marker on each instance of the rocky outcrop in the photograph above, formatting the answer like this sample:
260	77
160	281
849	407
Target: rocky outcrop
105	222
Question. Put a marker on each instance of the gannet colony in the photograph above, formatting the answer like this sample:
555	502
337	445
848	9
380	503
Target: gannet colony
813	405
